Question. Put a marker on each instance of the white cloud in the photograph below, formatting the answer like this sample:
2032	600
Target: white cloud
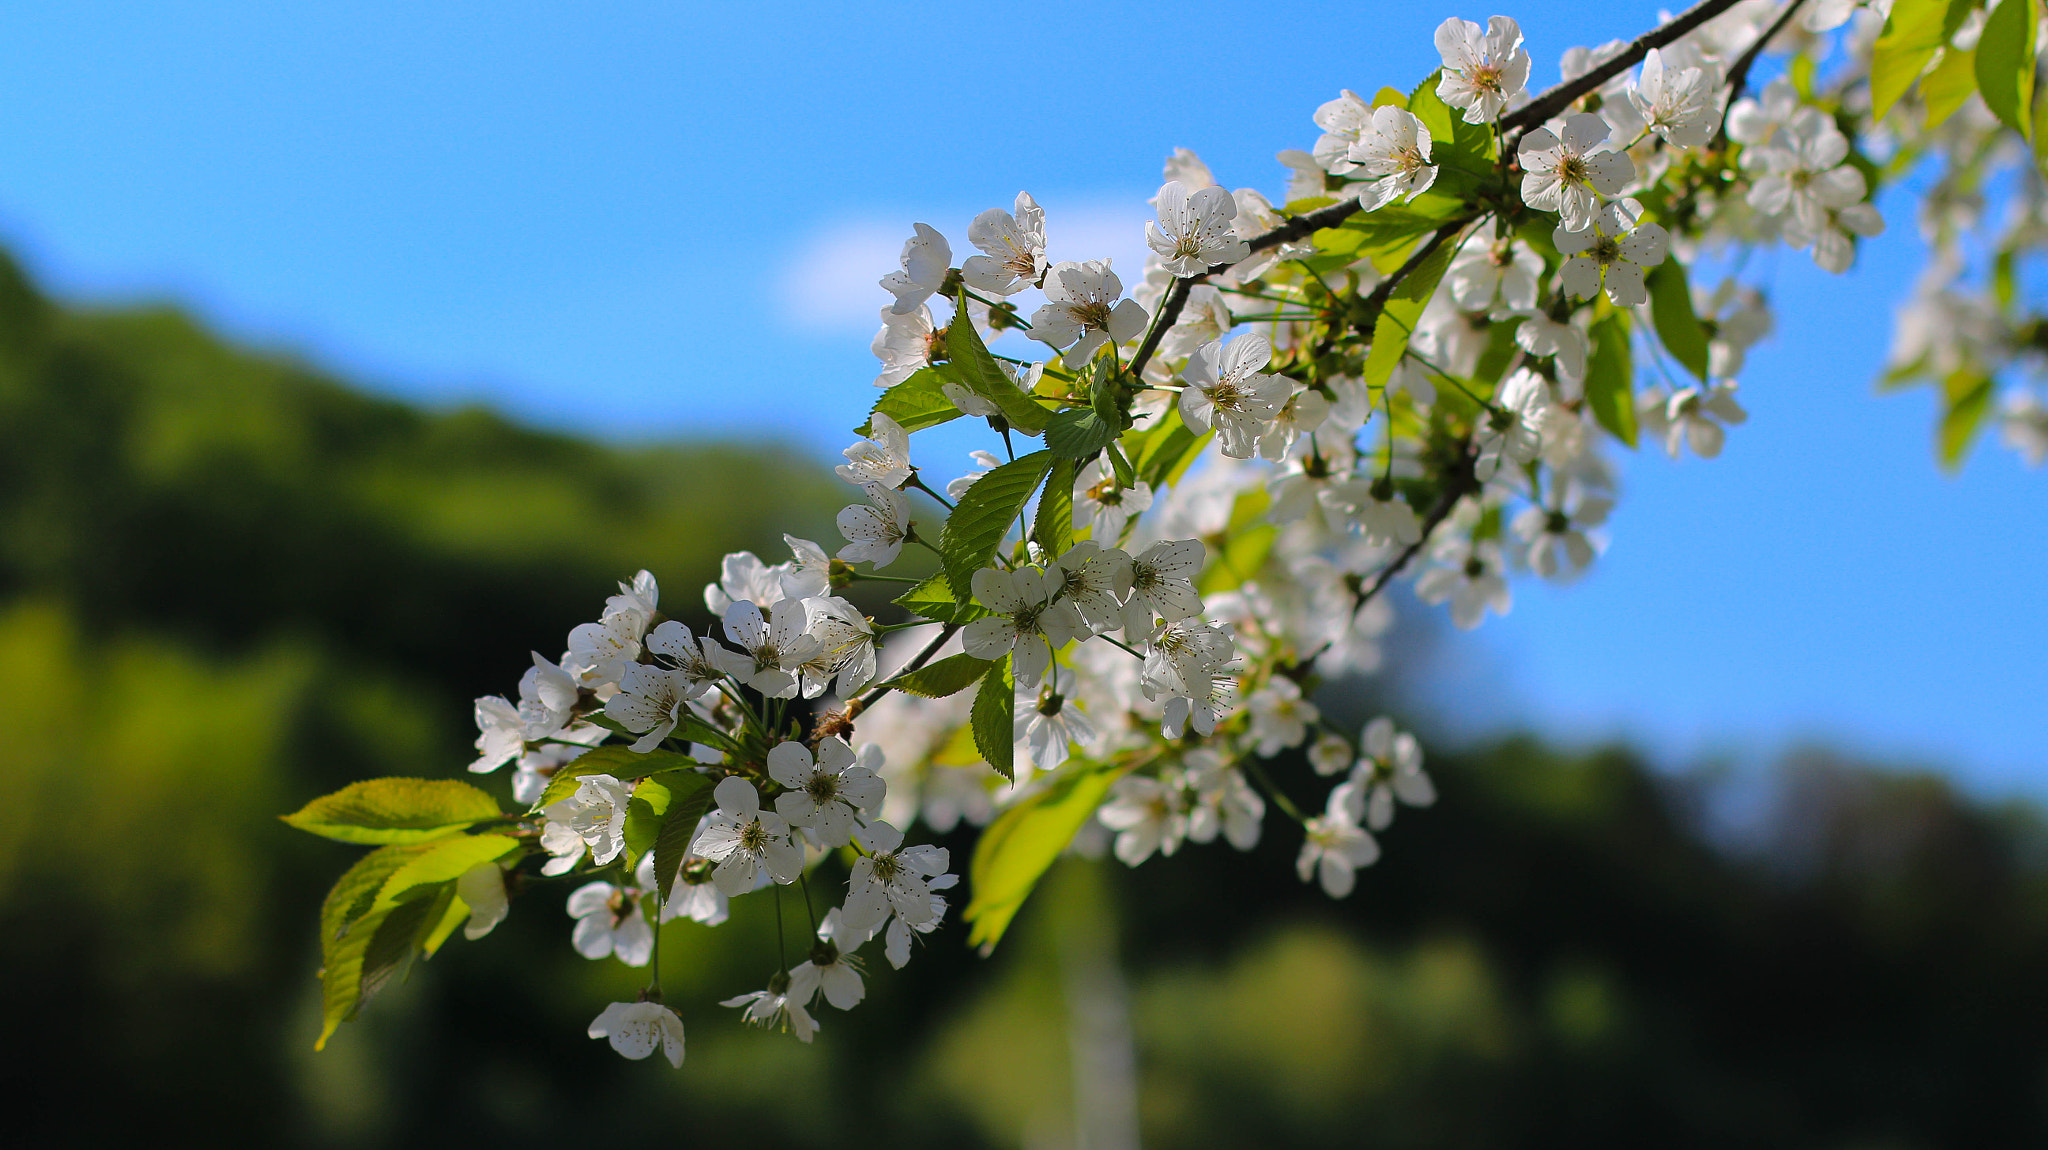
830	283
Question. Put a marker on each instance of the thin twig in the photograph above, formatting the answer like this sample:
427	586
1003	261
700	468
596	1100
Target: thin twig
1738	76
1550	103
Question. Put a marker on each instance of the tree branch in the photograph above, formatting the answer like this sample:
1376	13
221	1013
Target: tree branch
1738	75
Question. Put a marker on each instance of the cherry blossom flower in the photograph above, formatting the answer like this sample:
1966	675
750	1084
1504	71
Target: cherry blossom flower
825	791
837	978
875	533
1538	334
1280	716
1222	801
776	1008
1334	851
742	577
636	1028
1555	535
1163	583
1683	105
904	344
882	459
1149	816
1508	270
846	640
1029	620
744	840
652	700
1389	768
610	923
1803	173
1013	247
1194	229
1484	70
1096	579
892	878
1567	172
1344	121
1103	506
1509	434
1083	309
2023	427
1611	252
1392	152
1206	316
1470	576
595	815
1226	389
774	646
927	257
1693	416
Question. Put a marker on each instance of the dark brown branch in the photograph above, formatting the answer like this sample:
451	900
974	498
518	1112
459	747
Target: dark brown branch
1542	108
841	722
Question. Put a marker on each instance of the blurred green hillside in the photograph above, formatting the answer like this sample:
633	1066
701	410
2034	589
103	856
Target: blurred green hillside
228	584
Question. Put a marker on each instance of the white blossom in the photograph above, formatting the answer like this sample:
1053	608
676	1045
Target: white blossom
610	923
1104	506
1013	248
1280	716
482	889
1333	851
904	344
875	533
1509	434
1611	252
1567	173
744	840
883	458
1028	620
892	879
1148	816
1485	70
1226	389
927	257
776	1008
846	647
1163	583
1683	105
774	646
826	791
1194	229
1393	153
636	1028
1083	310
1697	417
1469	575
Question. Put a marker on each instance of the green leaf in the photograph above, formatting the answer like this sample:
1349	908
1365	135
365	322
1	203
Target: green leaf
645	813
1677	326
1500	351
1053	525
442	861
1966	401
1454	144
994	718
948	676
974	367
1911	37
1949	84
1079	432
689	798
1020	844
977	525
620	762
2005	63
916	403
396	811
1610	378
933	599
352	921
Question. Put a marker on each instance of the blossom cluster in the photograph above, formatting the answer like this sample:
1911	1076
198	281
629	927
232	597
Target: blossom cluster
1411	365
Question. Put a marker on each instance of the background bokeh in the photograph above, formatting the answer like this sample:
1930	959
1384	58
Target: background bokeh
273	535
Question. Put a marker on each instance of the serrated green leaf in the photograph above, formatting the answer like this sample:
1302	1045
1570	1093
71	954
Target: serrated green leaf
453	912
2005	63
1015	850
1610	378
983	516
1053	524
933	599
994	719
948	676
916	403
975	368
1677	326
1966	402
620	762
396	811
1911	37
689	798
1079	432
1394	97
1949	84
355	892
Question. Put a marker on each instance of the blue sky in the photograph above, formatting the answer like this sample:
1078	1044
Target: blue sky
645	221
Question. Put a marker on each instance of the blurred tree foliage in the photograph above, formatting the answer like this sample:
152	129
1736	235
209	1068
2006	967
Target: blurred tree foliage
228	584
